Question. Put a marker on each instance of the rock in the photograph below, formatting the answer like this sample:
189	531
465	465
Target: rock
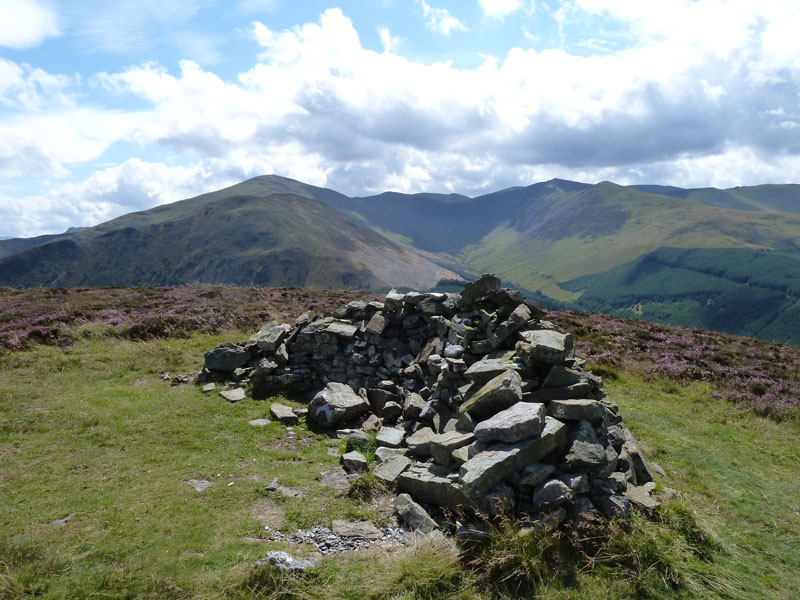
519	316
337	403
209	387
560	376
544	346
489	368
640	495
357	529
586	450
286	562
259	422
384	453
639	464
233	395
490	466
371	423
576	410
341	329
551	494
199	485
474	290
536	473
390	437
578	483
282	413
453	351
271	336
391	469
358	440
355	462
419	443
429	484
335	478
379	397
498	394
413	407
612	506
391	412
413	514
226	357
443	445
377	324
579	390
521	421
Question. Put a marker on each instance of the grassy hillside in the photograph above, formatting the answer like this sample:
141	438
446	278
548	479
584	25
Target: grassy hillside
281	239
96	451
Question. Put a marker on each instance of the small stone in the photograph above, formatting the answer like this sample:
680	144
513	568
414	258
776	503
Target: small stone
640	495
384	453
355	529
209	387
391	412
226	357
337	403
259	422
335	478
544	347
419	444
282	413
286	562
355	462
536	473
233	395
372	423
576	410
551	494
453	351
499	393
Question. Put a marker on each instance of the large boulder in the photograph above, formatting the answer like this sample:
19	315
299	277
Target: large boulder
337	403
544	346
226	357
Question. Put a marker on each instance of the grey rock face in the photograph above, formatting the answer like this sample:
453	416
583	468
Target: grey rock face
391	437
544	346
414	515
384	453
523	420
536	473
586	450
489	368
443	445
336	404
419	443
271	336
354	462
226	357
551	494
429	484
234	395
498	394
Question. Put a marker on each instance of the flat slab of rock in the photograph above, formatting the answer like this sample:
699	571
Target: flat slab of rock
489	368
521	421
443	445
226	357
199	485
284	414
340	329
499	393
489	467
337	479
551	494
576	410
286	562
271	336
383	453
234	395
391	469
209	387
641	495
356	529
429	484
337	403
390	437
259	422
414	515
544	346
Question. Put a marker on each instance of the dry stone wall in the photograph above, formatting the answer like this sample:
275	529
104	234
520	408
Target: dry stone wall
479	400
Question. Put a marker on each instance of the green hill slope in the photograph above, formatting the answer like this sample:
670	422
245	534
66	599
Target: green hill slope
280	239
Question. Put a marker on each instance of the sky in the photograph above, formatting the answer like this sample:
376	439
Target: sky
112	107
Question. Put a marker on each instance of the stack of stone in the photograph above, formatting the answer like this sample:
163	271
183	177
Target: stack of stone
481	402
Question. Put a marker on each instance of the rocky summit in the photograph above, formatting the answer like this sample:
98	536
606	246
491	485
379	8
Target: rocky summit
481	400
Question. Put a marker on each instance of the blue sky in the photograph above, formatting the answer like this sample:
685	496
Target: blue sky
106	108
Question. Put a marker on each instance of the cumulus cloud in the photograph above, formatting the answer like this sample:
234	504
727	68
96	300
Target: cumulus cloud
26	23
677	107
439	20
389	42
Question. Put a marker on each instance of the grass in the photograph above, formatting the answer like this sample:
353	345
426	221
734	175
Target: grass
90	432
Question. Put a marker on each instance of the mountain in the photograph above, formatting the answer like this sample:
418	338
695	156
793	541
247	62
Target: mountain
226	237
721	259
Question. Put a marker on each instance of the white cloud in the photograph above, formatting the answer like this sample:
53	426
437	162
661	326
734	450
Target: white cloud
439	20
389	42
675	108
499	9
26	23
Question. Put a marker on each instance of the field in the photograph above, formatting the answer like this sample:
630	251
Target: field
96	449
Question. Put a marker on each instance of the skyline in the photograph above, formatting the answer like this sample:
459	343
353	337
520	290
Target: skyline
108	110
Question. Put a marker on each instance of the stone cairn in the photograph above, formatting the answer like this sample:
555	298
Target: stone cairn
479	403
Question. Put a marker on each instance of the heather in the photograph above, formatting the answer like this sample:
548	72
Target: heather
61	315
752	374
